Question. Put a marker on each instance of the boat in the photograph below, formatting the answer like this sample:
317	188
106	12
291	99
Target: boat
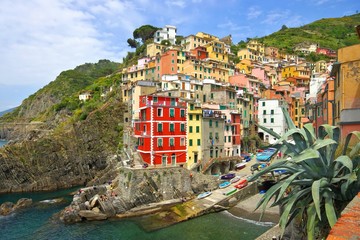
203	195
228	176
231	191
243	183
240	166
235	179
224	184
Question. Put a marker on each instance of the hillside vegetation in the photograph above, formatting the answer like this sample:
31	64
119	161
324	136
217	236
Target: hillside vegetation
333	33
62	93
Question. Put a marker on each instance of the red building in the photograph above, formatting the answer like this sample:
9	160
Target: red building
161	130
200	52
326	51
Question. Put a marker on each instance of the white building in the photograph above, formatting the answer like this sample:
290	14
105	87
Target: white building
85	96
167	33
271	116
316	80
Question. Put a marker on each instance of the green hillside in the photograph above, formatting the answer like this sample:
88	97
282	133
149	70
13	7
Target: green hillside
333	33
62	93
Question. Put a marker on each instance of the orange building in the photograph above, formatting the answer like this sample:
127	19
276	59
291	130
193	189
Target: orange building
347	89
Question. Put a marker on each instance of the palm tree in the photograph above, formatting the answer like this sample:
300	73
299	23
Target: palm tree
316	184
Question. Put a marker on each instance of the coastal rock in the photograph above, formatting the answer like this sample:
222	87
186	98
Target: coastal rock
71	156
92	215
23	203
134	188
6	208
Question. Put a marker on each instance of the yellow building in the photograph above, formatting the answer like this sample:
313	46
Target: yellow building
154	48
194	120
245	66
200	39
217	51
256	47
208	69
301	70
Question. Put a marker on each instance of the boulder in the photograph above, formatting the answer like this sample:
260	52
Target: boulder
6	208
23	203
92	215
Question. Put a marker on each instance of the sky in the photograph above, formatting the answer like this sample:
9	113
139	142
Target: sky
41	38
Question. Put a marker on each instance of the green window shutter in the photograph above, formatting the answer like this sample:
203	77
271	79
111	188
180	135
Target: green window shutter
160	127
172	112
172	127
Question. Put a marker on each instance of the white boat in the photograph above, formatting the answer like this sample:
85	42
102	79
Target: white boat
204	195
235	179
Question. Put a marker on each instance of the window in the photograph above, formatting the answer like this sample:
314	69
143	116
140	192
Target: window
182	141
172	142
159	112
210	123
191	106
264	112
182	112
272	112
229	138
182	127
217	135
190	129
172	112
164	160
190	117
190	142
197	117
155	99
210	135
159	127
197	129
264	120
198	142
172	127
173	159
159	142
272	120
216	124
263	104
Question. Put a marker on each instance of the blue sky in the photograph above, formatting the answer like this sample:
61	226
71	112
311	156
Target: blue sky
41	38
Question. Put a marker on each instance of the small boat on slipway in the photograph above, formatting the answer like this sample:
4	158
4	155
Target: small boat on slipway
224	184
203	195
235	179
228	176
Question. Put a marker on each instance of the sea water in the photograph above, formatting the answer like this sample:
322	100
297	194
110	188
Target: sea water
2	142
40	222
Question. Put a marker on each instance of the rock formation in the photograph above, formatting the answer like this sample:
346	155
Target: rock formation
9	207
133	188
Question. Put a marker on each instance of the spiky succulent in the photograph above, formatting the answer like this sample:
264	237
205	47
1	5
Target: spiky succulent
319	182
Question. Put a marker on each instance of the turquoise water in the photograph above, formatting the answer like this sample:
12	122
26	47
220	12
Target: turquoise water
2	143
38	222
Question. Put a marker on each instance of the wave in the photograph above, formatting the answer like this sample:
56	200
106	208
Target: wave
264	224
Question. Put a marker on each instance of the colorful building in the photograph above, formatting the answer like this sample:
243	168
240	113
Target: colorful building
347	84
161	130
194	137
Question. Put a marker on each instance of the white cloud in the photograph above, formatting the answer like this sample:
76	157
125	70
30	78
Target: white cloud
253	12
177	3
230	26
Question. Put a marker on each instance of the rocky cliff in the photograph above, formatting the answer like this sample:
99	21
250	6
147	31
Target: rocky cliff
70	155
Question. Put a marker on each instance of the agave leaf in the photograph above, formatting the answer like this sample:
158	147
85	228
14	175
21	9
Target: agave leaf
287	183
303	182
320	143
347	140
310	133
267	197
345	161
315	192
332	132
355	150
276	164
351	178
288	119
305	155
269	131
311	221
330	210
289	206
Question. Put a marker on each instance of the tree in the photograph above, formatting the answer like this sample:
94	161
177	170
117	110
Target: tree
284	27
132	43
316	184
144	32
165	42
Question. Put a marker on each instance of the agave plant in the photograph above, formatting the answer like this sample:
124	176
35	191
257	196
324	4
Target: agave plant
316	184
